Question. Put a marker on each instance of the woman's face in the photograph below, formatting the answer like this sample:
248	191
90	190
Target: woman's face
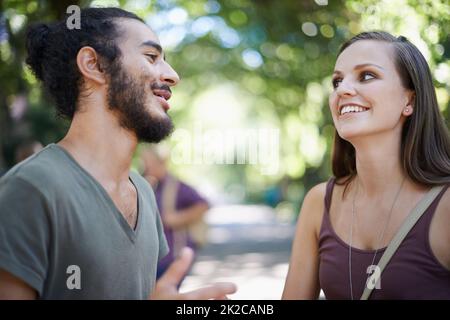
368	96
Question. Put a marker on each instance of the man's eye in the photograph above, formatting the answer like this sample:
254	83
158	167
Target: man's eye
336	82
367	76
151	56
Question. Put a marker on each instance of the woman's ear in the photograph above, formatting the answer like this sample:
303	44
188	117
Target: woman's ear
408	109
89	66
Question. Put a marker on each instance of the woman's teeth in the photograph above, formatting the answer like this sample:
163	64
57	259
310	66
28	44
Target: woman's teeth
348	109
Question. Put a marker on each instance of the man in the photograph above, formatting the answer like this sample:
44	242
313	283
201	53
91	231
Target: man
75	223
181	207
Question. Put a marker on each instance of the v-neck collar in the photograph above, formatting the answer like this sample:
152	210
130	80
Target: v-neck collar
131	233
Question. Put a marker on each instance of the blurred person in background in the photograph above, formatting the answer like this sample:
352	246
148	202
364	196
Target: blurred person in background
26	149
181	207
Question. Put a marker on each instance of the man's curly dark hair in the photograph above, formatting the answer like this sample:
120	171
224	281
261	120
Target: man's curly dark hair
52	51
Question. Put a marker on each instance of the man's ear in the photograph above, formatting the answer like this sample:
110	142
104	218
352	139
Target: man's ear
89	65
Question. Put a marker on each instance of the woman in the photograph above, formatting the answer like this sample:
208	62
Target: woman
391	146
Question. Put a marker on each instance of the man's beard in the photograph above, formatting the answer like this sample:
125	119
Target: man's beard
128	96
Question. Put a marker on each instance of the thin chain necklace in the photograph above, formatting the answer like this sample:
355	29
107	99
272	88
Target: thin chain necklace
380	239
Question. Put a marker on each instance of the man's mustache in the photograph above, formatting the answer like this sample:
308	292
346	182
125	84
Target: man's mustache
157	86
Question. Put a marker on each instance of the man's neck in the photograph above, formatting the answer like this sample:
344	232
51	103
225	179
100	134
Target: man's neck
101	146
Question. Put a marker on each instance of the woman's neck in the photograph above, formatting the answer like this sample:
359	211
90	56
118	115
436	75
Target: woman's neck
379	167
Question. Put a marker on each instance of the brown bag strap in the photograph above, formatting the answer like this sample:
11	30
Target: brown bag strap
409	223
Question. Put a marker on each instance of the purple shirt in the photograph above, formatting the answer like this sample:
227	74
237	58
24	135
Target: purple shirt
186	198
412	273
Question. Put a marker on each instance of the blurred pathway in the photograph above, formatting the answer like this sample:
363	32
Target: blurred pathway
247	246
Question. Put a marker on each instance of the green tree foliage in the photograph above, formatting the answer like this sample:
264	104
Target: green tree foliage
25	113
259	63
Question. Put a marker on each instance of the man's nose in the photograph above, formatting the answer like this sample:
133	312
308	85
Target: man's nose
168	75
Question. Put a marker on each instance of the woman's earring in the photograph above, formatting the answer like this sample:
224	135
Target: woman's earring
406	109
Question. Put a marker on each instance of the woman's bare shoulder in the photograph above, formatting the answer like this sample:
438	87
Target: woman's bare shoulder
317	193
313	206
443	210
445	201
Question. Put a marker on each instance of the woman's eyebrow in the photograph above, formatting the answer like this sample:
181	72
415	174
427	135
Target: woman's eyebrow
360	66
363	65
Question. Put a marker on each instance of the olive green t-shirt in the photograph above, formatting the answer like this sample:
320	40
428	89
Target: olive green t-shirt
62	234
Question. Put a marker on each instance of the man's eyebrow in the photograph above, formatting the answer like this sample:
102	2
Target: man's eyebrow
153	44
360	66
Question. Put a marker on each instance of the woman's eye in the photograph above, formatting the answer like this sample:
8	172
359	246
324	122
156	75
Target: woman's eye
367	76
336	82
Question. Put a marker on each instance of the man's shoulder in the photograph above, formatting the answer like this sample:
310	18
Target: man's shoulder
41	170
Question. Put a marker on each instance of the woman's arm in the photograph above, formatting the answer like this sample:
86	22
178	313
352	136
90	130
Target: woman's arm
302	280
184	218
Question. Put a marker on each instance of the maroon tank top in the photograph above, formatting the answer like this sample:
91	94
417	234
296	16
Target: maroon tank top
412	273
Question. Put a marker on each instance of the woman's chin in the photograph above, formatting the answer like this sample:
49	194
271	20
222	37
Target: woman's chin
350	134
